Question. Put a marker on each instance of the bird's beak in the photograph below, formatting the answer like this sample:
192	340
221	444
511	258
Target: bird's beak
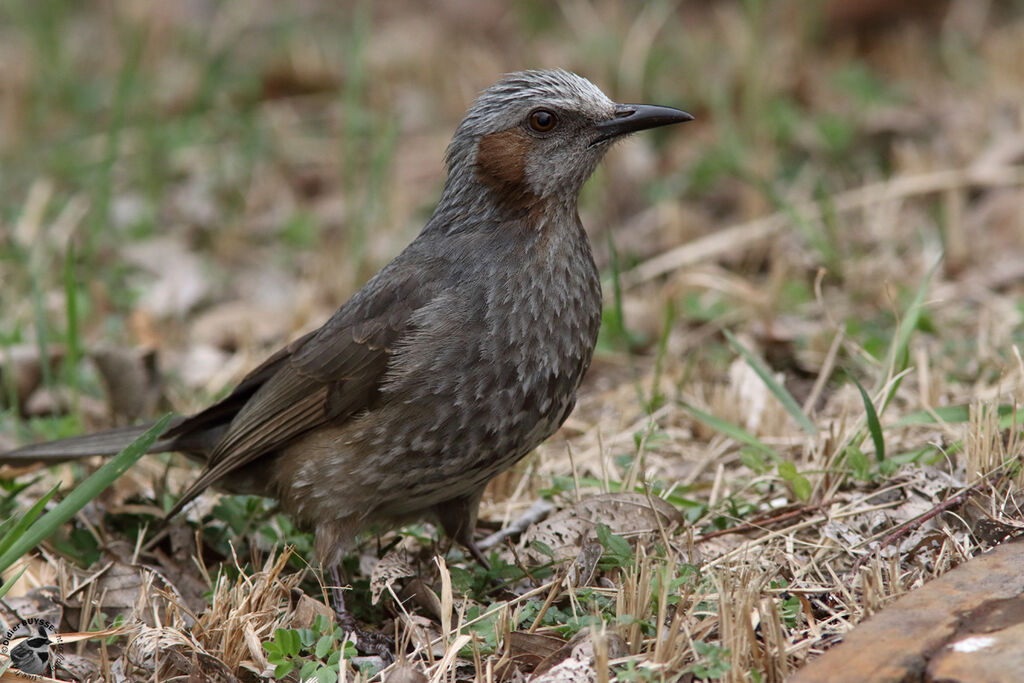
629	118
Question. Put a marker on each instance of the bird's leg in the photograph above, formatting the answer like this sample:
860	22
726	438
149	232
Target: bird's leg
458	519
369	642
475	551
345	618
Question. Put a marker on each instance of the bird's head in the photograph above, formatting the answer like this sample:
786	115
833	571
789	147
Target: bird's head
535	136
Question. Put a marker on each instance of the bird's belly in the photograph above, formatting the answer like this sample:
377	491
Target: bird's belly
406	456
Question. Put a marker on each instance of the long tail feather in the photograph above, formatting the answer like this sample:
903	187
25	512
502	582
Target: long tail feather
107	442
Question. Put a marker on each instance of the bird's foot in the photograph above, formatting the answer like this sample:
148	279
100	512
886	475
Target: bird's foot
366	641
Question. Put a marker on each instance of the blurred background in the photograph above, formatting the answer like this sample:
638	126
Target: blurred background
207	179
186	185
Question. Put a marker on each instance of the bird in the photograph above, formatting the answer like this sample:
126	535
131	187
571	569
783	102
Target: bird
453	362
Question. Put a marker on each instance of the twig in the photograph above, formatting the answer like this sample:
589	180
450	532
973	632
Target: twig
903	528
536	512
760	524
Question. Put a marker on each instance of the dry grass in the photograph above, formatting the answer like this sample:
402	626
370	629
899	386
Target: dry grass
849	207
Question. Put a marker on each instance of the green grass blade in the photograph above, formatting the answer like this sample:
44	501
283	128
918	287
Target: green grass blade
657	397
779	391
948	414
899	351
729	429
82	494
616	321
1008	416
9	583
874	425
31	515
74	341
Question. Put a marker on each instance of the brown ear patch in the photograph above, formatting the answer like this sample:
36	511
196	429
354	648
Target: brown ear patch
501	165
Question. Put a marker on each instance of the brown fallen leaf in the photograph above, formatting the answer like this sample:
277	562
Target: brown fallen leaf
42	603
406	672
864	18
307	609
131	380
582	647
240	324
75	667
576	661
23	365
528	650
177	279
421	595
393	566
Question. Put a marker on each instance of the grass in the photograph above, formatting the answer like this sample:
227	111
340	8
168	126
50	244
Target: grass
811	300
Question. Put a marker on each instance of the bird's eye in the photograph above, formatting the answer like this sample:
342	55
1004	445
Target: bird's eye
542	120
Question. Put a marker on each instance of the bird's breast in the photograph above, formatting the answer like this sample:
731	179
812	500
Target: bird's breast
493	368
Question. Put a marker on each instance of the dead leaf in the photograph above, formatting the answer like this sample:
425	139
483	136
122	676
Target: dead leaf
528	650
131	380
22	364
406	672
393	566
177	279
307	609
582	647
290	79
205	366
423	597
240	324
42	602
626	514
582	569
78	668
575	660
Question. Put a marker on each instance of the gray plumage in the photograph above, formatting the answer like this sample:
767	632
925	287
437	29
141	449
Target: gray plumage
453	362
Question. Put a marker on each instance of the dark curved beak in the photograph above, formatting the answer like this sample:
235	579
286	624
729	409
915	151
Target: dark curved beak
630	118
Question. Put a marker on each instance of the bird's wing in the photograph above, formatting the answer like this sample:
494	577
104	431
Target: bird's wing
324	377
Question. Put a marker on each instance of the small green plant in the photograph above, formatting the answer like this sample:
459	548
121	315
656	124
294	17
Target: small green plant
713	663
316	652
801	484
631	672
78	543
790	610
617	551
100	622
237	519
281	531
487	630
473	581
858	463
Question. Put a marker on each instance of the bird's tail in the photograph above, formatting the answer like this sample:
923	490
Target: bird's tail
106	442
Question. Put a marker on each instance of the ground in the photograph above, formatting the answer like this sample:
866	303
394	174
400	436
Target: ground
804	399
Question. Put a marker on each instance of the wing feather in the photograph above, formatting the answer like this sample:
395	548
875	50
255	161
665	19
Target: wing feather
325	377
